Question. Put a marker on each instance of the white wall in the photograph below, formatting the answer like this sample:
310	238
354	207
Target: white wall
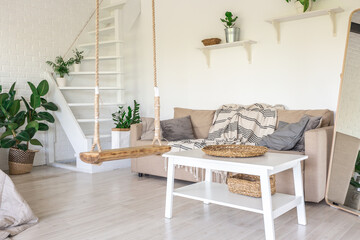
300	72
32	32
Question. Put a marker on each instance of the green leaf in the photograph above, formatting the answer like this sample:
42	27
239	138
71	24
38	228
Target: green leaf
43	88
8	142
15	107
23	136
26	104
31	132
5	134
33	88
0	88
43	127
12	92
3	96
50	106
46	116
43	100
35	142
33	124
12	126
22	147
35	101
19	118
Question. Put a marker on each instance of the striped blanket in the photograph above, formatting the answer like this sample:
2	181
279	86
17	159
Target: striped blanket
234	124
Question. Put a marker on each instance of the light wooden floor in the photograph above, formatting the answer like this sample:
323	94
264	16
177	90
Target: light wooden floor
119	205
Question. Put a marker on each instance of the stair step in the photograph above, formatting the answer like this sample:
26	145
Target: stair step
101	136
93	73
100	43
90	88
85	120
103	58
106	20
102	30
113	6
92	104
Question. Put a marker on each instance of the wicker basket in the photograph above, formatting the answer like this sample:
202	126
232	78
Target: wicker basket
20	161
211	41
234	150
248	185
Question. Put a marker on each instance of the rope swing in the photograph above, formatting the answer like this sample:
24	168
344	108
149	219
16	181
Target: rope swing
99	156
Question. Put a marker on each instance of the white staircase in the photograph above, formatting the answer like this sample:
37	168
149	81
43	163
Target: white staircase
76	100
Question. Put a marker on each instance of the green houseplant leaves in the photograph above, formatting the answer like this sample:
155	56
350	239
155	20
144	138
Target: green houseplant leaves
305	3
123	119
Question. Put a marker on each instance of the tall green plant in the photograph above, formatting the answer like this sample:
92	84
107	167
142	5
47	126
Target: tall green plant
34	118
229	20
78	56
123	119
357	170
305	3
60	66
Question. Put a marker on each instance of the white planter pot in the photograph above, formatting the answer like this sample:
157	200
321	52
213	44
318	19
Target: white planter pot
300	8
61	82
120	138
76	67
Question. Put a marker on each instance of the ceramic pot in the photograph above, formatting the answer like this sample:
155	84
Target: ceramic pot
232	34
61	82
77	67
120	138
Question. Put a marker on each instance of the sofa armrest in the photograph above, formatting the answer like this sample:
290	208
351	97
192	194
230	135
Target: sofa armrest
135	133
318	143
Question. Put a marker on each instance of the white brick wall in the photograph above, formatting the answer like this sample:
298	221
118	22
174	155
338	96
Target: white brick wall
31	32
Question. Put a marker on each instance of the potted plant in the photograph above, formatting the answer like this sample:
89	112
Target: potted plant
77	59
61	67
34	118
120	136
302	5
232	33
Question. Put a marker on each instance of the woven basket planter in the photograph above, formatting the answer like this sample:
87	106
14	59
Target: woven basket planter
248	185
20	161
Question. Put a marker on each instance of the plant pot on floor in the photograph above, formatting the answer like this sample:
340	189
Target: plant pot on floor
20	162
61	82
232	34
120	138
77	67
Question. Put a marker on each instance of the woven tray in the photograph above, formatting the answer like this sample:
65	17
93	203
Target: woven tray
235	150
248	185
211	41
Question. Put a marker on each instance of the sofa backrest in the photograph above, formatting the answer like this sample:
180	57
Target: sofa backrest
292	116
200	119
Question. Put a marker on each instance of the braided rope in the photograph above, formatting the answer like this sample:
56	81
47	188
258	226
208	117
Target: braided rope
96	103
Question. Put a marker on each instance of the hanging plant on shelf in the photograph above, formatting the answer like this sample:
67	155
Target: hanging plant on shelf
303	5
232	33
123	119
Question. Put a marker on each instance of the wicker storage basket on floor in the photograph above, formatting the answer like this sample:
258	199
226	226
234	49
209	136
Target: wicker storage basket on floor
248	185
20	162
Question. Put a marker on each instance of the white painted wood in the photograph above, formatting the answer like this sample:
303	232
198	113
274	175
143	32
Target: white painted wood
299	192
169	189
93	73
104	30
267	205
92	44
208	178
101	136
106	20
90	88
84	120
92	104
102	58
114	6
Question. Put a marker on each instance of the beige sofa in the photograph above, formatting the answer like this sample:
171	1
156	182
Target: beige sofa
317	147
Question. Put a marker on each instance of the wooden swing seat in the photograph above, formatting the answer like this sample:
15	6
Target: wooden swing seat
122	153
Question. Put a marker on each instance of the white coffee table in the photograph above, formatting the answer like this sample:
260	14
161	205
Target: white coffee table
209	192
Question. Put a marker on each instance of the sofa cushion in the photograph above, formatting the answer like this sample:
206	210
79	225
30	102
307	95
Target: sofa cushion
148	129
200	119
292	116
177	129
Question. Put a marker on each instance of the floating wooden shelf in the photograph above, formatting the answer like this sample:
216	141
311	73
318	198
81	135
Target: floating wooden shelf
246	44
330	12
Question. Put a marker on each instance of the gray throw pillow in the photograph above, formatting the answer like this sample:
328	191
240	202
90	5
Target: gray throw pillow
177	129
286	137
314	122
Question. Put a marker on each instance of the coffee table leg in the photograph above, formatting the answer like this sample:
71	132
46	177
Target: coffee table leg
267	206
208	178
299	192
169	189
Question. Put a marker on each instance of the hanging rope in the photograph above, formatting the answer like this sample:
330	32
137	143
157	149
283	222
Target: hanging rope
97	92
156	89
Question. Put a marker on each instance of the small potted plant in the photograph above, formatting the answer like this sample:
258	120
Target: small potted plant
232	33
352	199
77	59
61	67
34	117
302	5
120	136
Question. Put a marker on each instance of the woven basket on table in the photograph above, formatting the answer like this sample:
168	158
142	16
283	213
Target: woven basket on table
20	162
248	185
211	41
235	150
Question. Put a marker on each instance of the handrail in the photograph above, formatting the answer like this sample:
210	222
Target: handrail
83	28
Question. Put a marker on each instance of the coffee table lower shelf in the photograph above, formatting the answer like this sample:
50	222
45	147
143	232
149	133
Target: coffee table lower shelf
217	193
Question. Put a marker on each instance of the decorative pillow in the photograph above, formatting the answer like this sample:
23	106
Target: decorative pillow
314	122
148	129
286	137
177	129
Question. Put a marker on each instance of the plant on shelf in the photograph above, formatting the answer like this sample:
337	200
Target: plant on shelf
78	57
123	119
306	4
34	118
232	33
61	68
